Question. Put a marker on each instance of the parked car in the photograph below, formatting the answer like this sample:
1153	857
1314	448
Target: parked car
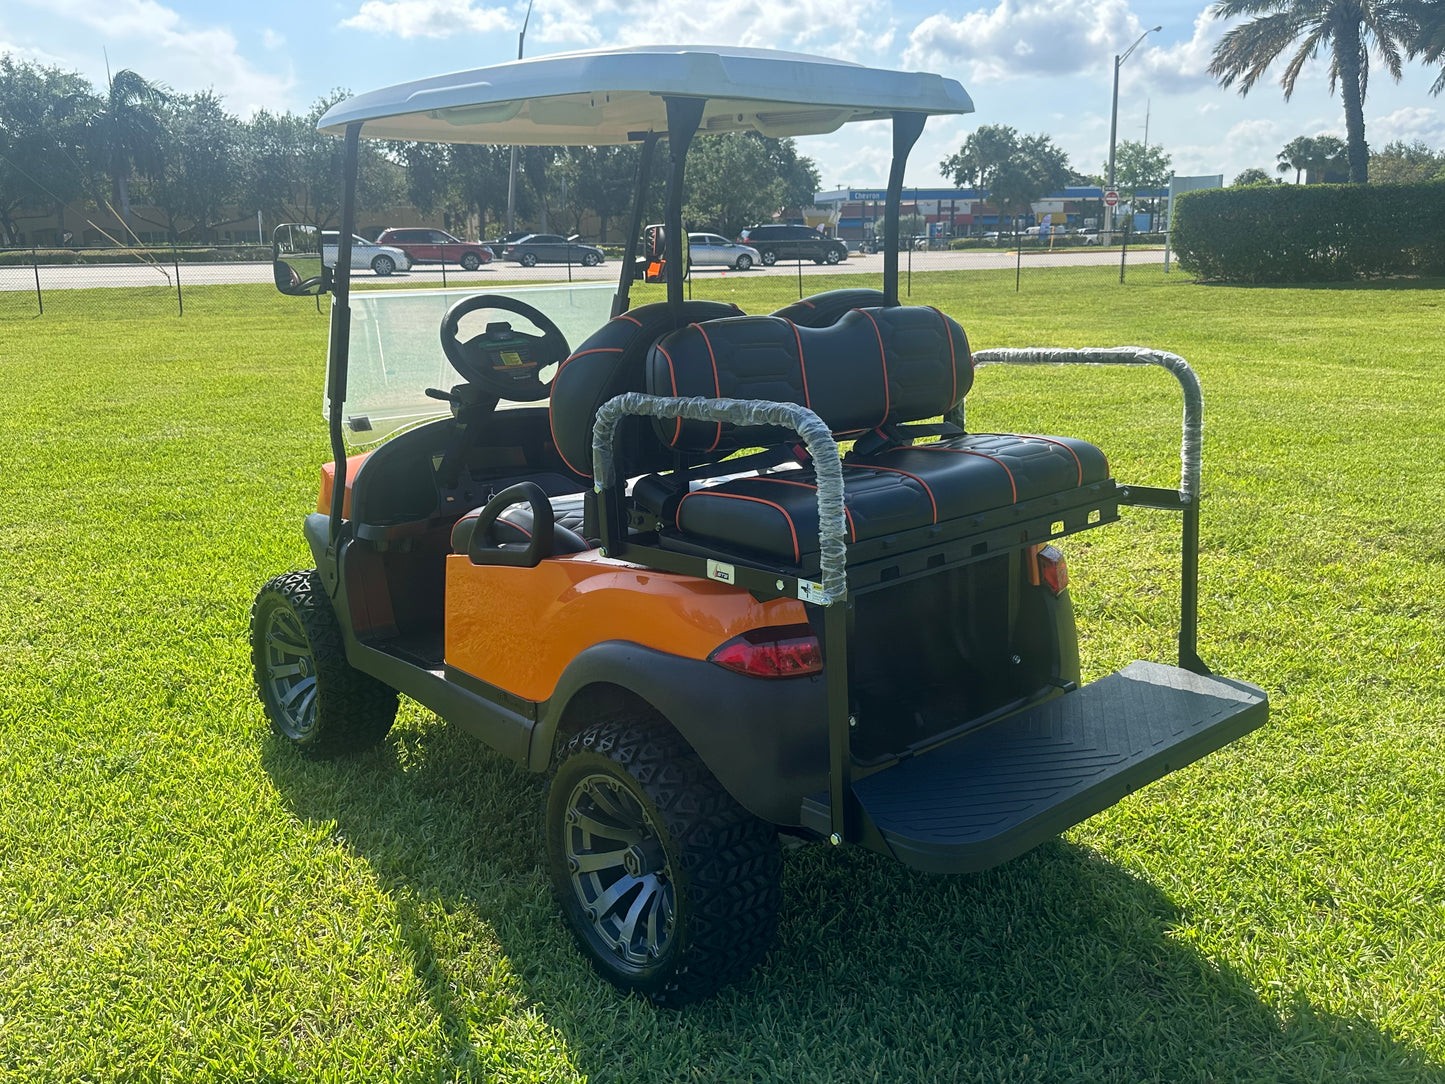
776	243
1091	237
537	248
437	246
498	245
383	259
710	250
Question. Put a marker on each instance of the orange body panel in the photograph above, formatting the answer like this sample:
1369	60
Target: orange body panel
328	484
518	628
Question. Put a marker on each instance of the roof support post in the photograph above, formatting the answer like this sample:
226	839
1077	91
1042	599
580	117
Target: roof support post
620	300
683	117
341	321
907	127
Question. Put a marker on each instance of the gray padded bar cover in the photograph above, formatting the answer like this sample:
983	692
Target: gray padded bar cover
1190	448
828	469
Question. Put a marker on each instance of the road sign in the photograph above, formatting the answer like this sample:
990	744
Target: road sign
1111	197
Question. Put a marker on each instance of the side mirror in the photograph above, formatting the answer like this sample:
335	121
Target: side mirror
296	261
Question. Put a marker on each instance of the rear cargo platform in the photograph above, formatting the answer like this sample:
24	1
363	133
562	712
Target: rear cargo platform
996	792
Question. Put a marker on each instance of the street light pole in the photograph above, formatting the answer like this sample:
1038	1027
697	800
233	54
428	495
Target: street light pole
512	172
1114	123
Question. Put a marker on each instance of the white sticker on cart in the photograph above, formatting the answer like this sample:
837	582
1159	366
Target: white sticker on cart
717	570
809	591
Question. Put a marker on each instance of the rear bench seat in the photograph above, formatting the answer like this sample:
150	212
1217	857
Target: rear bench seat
874	368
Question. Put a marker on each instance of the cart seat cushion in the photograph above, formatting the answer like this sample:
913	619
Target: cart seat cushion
872	367
610	361
896	490
515	525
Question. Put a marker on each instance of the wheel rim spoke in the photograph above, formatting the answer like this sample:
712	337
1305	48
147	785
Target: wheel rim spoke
608	834
593	827
305	685
596	861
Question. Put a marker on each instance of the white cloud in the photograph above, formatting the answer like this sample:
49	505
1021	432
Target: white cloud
1025	38
1183	66
428	18
272	39
1408	124
146	35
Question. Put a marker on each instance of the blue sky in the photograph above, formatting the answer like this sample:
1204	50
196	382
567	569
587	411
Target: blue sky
1039	65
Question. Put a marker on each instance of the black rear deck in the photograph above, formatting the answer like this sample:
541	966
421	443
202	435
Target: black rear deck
1003	789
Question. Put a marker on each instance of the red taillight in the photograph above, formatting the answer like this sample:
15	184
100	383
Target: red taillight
1053	570
786	651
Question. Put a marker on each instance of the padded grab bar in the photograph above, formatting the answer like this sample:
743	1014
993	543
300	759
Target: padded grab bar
1191	446
827	465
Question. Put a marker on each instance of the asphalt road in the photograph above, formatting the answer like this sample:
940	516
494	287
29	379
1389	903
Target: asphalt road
90	276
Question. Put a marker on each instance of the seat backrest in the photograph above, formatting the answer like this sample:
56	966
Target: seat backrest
827	308
609	362
874	367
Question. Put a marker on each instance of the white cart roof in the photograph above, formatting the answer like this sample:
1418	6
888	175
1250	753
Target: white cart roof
598	98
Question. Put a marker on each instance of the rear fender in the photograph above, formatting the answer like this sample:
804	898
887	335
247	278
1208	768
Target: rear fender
764	740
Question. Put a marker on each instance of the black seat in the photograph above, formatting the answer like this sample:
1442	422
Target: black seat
514	526
871	370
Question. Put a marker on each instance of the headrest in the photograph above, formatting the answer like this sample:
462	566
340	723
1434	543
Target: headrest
874	366
608	363
826	308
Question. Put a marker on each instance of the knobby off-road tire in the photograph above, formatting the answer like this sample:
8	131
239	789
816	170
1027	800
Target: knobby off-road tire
312	696
670	887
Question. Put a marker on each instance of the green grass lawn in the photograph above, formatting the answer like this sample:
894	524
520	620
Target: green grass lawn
183	898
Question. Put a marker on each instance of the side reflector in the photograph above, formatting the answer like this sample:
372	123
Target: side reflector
1053	570
785	651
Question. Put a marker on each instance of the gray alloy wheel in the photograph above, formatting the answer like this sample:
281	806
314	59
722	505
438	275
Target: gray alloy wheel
744	262
471	261
312	696
832	255
769	257
590	259
670	887
619	870
529	259
383	265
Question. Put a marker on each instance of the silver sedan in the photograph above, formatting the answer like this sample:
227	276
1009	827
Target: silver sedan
710	250
383	259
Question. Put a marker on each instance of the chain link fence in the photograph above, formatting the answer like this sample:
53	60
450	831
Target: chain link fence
169	282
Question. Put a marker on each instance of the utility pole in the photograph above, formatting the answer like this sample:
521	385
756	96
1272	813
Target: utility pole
512	172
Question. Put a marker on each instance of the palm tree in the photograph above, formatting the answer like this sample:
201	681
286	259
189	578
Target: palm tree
1297	155
128	129
1428	41
1349	29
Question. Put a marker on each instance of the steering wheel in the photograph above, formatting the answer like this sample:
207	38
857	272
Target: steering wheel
503	362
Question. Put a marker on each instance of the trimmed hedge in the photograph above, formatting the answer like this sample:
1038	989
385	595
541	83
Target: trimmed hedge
49	257
1311	233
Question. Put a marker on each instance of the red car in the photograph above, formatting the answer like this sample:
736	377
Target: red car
437	246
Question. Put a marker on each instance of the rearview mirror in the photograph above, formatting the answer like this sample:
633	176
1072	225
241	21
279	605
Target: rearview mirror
296	261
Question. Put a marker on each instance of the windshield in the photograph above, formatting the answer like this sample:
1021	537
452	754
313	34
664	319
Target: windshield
396	354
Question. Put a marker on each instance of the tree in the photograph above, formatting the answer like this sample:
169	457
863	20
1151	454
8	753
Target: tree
1252	175
600	179
43	164
1407	163
1318	158
295	172
128	132
1349	29
1016	170
738	179
200	165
